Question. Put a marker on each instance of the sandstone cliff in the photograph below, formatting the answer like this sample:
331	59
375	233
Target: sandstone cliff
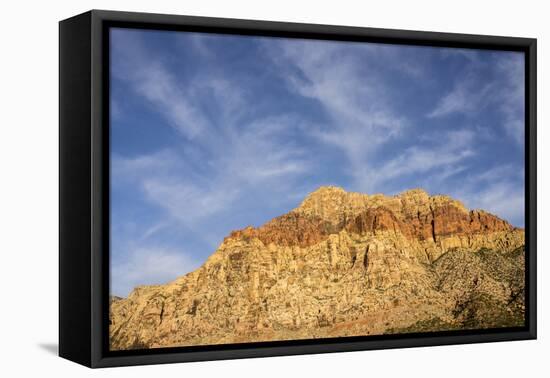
341	264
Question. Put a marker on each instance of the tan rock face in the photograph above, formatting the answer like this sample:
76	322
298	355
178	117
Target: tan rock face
341	264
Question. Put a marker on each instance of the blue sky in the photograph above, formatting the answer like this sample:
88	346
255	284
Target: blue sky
211	133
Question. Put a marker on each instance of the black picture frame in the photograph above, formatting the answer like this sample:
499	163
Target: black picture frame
84	187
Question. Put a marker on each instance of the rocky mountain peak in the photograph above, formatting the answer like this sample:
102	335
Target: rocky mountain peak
328	202
326	190
340	264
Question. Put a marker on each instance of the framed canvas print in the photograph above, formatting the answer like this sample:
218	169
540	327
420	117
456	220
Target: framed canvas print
234	188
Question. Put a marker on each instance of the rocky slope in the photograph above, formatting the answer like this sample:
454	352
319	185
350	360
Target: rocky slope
341	264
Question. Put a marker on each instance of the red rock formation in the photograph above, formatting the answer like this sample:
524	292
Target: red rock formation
288	230
426	219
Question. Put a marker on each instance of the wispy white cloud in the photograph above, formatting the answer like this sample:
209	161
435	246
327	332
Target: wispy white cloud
473	92
419	160
258	158
466	97
184	197
503	198
114	109
263	151
159	87
149	266
156	84
512	96
500	172
233	154
236	156
471	55
187	202
499	190
178	101
441	159
200	42
134	168
361	116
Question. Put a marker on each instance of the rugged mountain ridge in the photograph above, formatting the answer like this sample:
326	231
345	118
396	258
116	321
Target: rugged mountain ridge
340	264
